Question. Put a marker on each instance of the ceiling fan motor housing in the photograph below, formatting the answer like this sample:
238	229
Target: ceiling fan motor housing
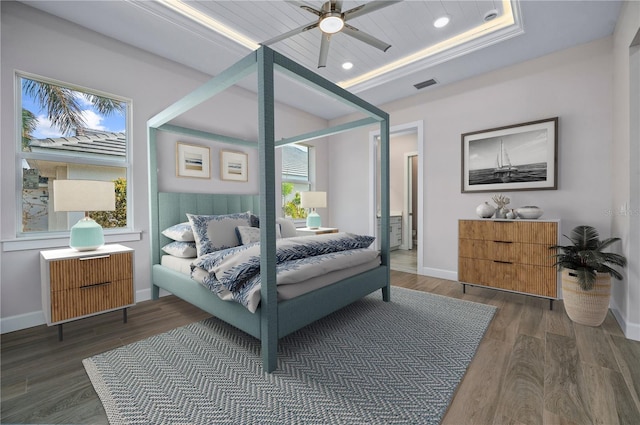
331	19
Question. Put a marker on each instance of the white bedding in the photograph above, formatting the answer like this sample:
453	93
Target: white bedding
182	265
285	292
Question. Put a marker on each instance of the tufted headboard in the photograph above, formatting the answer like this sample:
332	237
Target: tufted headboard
172	208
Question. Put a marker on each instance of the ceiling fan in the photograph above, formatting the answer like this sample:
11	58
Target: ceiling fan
332	20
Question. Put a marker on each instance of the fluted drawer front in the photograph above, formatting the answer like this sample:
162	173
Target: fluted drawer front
473	229
510	231
536	254
475	270
87	271
87	300
538	280
505	275
489	250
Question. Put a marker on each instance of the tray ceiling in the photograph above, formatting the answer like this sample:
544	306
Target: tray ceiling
522	30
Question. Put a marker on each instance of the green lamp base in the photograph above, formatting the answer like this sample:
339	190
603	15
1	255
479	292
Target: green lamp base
86	235
313	220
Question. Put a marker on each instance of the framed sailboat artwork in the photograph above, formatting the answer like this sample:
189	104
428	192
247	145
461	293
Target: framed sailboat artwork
515	157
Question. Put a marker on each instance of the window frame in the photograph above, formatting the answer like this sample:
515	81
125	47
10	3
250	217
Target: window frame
311	176
29	239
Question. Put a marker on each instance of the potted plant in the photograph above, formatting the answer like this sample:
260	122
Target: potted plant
586	275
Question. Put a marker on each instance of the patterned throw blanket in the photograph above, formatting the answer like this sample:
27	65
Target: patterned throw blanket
234	273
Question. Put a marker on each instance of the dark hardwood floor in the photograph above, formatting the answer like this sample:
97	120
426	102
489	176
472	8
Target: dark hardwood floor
534	366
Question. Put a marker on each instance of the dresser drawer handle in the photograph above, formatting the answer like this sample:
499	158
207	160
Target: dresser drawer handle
94	258
502	262
503	241
95	285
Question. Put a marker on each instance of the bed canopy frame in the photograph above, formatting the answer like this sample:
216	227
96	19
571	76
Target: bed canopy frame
266	326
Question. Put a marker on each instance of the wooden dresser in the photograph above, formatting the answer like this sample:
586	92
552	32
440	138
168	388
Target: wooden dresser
511	255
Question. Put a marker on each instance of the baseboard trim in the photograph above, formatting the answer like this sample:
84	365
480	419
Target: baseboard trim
630	330
439	273
21	321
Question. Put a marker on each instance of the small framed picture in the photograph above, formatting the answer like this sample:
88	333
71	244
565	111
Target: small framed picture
233	166
192	161
516	157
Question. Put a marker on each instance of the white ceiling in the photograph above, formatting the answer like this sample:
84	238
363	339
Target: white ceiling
541	27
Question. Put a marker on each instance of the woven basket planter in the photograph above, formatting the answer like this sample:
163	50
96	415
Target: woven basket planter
586	307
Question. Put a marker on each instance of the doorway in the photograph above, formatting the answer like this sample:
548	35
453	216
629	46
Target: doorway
405	146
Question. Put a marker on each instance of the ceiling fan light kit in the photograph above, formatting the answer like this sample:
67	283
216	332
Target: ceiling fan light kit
331	20
331	23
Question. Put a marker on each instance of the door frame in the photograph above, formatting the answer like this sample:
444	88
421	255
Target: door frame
407	222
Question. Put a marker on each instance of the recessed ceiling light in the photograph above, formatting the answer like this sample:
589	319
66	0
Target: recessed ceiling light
441	21
347	65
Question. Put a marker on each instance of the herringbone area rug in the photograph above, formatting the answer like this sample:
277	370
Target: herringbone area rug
369	363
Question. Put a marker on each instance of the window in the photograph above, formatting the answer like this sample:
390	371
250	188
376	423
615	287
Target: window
296	178
69	133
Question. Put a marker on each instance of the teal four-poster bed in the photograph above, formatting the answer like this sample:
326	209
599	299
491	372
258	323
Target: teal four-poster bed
273	319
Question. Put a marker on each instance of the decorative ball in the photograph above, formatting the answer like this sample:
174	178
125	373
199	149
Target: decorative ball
485	210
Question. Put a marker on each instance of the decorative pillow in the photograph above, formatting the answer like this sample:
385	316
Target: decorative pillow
249	234
179	232
287	227
216	232
181	249
255	220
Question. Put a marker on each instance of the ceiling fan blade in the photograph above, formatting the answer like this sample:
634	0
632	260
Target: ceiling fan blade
364	37
306	6
324	50
367	8
288	34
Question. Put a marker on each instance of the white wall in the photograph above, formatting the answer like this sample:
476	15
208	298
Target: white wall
41	44
399	145
626	164
575	85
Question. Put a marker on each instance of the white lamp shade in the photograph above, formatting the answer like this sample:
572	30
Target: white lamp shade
313	199
83	195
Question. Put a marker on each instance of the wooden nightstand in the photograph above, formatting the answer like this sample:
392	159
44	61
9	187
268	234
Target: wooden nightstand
77	284
304	231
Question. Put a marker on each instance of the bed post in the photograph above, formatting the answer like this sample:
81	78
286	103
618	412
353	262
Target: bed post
154	231
268	292
385	204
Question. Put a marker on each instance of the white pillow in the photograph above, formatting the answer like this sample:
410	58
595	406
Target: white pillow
250	234
216	232
287	228
181	249
179	232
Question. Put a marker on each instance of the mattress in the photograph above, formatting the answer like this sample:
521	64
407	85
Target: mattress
182	265
285	292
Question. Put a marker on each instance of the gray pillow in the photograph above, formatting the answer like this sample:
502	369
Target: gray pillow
249	234
216	232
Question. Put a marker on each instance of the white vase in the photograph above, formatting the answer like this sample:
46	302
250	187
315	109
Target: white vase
529	212
485	210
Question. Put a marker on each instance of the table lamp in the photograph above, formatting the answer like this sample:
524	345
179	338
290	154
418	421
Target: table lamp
84	195
313	200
